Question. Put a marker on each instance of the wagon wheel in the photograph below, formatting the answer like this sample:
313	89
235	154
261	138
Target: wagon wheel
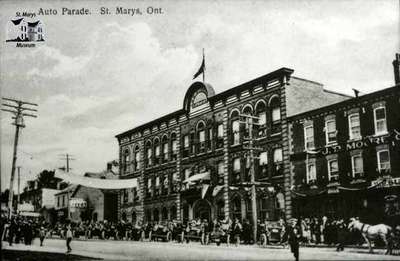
263	240
169	236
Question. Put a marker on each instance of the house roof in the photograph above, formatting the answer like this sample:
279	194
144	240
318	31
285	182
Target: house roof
70	188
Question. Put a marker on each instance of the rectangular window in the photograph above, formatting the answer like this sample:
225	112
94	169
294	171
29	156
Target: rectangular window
210	134
157	151
278	157
174	145
357	166
137	159
165	150
236	165
354	126
383	160
220	131
276	114
309	137
236	132
311	172
380	120
58	202
262	118
63	200
149	157
186	141
202	136
330	131
263	158
333	170
220	168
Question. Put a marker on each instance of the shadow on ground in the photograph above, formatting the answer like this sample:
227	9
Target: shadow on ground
12	255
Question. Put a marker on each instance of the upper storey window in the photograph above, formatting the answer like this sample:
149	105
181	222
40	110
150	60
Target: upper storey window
165	148
149	155
309	137
235	128
261	113
136	165
354	126
174	146
380	120
126	160
275	110
156	151
330	130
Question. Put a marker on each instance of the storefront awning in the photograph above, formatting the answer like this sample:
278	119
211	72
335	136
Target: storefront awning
198	177
97	183
29	214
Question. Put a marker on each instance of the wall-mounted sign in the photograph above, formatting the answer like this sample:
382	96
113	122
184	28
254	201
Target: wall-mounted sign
77	203
386	182
360	144
199	98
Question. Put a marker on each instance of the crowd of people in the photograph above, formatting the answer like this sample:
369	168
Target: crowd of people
312	230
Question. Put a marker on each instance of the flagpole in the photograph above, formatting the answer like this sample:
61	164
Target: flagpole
204	69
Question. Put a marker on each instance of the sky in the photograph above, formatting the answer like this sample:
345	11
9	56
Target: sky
96	76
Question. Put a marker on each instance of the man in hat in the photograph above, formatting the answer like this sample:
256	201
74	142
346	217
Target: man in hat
69	238
42	235
294	239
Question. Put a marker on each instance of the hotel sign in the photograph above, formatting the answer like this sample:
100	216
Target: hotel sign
362	143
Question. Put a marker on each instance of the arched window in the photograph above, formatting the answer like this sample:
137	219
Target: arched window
174	146
247	110
235	127
201	136
149	155
126	160
133	217
261	113
274	104
137	159
156	215
156	151
164	214
165	148
173	211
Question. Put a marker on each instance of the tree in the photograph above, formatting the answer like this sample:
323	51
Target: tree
4	196
46	179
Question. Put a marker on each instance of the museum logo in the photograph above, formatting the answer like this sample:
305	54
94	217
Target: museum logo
25	33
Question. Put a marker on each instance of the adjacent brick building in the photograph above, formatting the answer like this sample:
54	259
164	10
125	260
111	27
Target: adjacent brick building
193	163
345	158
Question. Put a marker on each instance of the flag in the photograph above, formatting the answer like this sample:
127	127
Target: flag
201	69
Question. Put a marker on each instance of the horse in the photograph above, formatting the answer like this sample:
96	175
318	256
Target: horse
373	232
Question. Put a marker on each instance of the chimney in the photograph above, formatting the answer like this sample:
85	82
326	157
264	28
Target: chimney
396	68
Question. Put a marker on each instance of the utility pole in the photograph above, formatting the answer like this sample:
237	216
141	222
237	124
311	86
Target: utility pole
67	157
250	122
19	178
18	108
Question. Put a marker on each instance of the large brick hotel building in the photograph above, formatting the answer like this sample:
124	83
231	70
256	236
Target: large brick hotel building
194	163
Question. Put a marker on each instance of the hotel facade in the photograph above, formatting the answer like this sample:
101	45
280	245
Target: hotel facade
195	162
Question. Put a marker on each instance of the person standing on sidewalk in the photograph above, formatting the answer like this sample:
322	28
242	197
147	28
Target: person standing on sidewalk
69	238
293	239
42	235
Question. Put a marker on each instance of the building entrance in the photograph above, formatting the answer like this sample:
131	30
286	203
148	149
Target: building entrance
202	210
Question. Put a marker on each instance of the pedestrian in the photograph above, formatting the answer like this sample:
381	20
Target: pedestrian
341	235
69	238
42	235
237	231
294	238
